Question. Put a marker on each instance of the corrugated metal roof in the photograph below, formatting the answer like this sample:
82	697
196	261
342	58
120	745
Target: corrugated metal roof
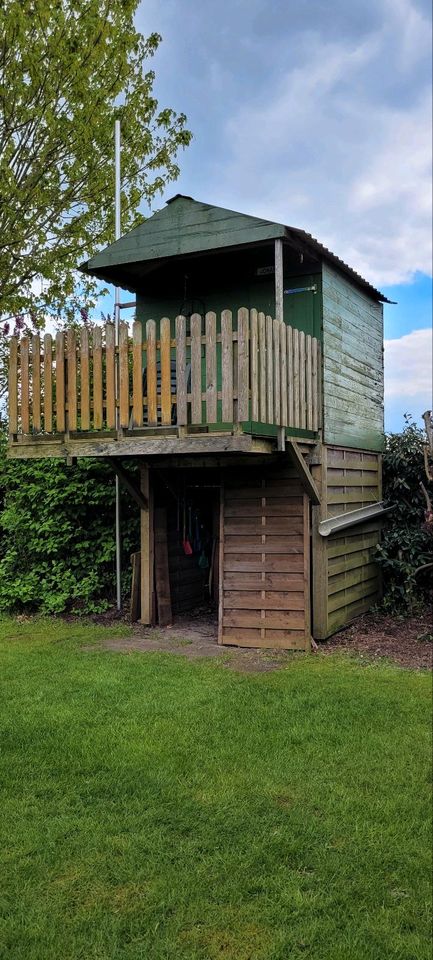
333	258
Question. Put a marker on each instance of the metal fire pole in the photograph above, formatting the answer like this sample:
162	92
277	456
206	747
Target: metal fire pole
116	322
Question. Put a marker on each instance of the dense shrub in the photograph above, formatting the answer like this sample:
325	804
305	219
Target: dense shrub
57	535
406	545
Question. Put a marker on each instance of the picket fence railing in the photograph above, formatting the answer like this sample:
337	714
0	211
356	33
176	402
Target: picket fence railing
254	369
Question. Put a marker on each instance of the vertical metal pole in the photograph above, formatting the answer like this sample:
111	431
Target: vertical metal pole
116	323
279	313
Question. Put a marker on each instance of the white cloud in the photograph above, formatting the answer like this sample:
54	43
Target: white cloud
342	148
408	370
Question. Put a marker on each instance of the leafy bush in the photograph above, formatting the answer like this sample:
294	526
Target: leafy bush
405	544
58	536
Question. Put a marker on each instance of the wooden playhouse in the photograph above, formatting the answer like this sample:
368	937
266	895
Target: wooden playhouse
250	391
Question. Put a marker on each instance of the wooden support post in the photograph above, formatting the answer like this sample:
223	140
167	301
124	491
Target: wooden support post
320	549
279	313
147	550
135	586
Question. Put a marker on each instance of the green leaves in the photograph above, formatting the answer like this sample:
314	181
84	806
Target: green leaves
67	69
405	546
57	542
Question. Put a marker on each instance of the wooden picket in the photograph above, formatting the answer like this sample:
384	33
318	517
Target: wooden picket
198	371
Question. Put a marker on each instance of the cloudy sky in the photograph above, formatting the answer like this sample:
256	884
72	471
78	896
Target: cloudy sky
316	113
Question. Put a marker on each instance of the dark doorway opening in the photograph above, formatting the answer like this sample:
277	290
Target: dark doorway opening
191	501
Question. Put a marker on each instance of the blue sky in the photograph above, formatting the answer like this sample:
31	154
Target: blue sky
316	114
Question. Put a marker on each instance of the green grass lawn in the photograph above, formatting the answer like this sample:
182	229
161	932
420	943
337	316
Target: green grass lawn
162	809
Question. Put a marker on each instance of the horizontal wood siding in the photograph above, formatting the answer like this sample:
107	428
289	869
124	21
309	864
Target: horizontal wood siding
352	364
346	581
264	596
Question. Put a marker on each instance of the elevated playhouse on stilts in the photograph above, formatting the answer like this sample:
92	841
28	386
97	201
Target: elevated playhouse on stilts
249	389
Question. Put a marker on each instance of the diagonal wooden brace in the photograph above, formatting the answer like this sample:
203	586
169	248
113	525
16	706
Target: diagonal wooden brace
128	483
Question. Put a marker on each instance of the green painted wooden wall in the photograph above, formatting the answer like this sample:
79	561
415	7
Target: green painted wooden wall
352	364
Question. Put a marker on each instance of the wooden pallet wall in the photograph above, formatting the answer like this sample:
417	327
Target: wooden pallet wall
264	560
346	581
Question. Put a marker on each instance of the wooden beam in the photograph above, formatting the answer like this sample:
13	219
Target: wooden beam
147	550
209	443
127	482
319	566
279	314
303	471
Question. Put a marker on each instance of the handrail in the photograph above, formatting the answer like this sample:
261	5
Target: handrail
216	372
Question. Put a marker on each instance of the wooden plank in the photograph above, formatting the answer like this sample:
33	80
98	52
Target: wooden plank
354	496
314	386
60	382
84	402
196	409
254	600
281	563
353	594
370	465
309	381
71	345
147	550
269	371
253	508
247	545
25	384
290	385
137	374
262	524
279	279
307	571
277	372
247	492
319	566
227	366
123	375
302	399
296	380
273	639
347	481
13	386
221	561
264	581
243	366
162	578
272	619
262	369
48	383
152	408
350	578
165	371
36	383
97	378
254	335
135	586
305	476
181	378
283	356
110	375
211	368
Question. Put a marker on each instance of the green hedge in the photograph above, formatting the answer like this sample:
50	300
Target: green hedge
405	544
58	535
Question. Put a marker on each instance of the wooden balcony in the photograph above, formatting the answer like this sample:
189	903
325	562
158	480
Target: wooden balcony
214	385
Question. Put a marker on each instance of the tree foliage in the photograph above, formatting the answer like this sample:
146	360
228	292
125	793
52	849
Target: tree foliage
57	536
68	68
406	543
